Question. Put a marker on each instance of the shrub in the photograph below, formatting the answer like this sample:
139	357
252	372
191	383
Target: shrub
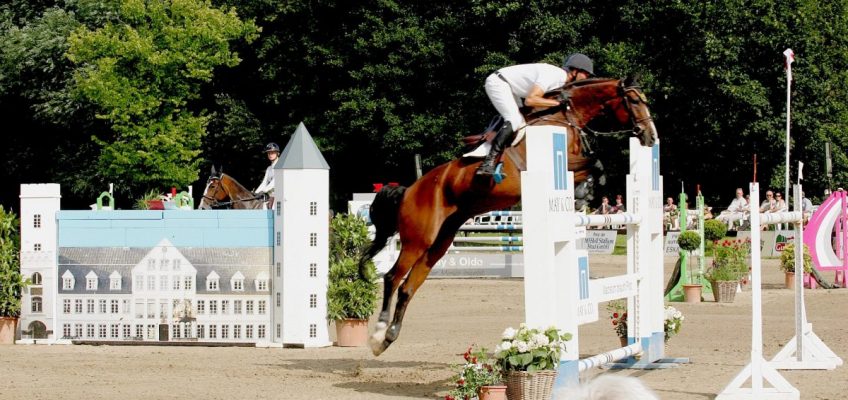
11	281
347	295
689	240
787	259
714	230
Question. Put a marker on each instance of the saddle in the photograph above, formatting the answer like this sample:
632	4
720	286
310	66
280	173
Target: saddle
472	142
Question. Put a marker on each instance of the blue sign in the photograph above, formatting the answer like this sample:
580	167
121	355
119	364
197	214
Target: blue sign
560	161
583	268
655	167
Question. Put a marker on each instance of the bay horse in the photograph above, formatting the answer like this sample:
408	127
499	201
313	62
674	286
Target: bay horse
223	191
429	213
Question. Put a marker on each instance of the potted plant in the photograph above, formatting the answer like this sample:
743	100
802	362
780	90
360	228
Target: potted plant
12	283
618	317
787	264
673	322
690	241
350	300
150	201
529	358
730	264
480	376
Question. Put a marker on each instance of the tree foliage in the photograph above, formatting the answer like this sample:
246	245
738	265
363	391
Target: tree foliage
142	73
378	81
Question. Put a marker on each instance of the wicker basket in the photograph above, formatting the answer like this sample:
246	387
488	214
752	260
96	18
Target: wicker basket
522	385
724	291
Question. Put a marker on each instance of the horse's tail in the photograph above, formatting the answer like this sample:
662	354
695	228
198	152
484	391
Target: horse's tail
384	216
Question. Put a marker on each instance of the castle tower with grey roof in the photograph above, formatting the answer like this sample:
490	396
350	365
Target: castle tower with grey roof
301	243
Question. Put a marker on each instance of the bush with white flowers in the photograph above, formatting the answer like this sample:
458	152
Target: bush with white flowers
531	349
673	321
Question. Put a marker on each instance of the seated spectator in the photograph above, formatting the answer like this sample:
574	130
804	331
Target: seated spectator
806	207
708	212
769	203
736	211
671	218
605	207
618	208
781	203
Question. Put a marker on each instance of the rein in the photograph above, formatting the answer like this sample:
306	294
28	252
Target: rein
548	115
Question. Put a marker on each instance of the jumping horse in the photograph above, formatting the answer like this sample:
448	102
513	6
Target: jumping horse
222	191
429	213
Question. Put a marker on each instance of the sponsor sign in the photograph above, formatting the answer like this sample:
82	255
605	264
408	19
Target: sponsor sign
599	242
671	248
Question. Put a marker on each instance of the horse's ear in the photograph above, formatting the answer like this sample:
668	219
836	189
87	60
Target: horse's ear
213	172
632	80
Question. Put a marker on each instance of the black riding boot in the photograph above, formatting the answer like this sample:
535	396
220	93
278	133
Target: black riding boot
488	166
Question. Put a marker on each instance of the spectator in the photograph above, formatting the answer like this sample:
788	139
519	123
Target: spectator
806	207
618	208
737	209
780	204
670	215
605	207
769	203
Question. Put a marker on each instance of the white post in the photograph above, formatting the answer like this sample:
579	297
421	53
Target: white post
790	57
758	369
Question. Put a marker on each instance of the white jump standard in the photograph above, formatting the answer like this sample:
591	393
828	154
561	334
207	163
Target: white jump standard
557	288
805	350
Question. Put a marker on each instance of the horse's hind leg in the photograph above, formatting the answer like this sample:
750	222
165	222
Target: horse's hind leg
391	280
419	274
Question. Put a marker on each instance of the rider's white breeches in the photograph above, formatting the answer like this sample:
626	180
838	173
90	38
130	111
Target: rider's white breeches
504	100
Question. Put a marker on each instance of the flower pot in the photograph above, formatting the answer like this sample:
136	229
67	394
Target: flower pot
789	280
724	291
352	332
692	293
8	327
155	205
522	385
493	392
623	341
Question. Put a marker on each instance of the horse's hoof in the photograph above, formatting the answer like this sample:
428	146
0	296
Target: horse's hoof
377	341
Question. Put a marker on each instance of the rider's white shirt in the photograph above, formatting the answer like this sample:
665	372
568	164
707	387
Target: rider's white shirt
267	185
522	77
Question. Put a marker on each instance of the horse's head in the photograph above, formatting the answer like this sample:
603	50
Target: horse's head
215	193
621	99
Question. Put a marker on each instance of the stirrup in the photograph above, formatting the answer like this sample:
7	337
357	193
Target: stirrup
499	176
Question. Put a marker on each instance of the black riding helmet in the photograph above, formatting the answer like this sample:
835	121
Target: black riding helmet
271	147
579	61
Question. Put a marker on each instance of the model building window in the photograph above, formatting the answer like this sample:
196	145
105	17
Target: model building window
313	239
91	281
313	270
67	280
249	307
201	307
89	306
261	332
262	282
115	281
313	330
313	208
237	282
36	221
262	307
37	247
212	281
36	304
313	300
36	279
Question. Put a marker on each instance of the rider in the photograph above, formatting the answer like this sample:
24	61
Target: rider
266	187
506	86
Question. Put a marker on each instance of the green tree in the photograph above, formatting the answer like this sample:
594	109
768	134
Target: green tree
143	73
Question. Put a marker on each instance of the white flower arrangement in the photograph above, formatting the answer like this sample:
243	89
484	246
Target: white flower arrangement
530	349
673	321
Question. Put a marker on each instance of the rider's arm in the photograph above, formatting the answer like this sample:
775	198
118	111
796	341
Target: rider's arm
536	98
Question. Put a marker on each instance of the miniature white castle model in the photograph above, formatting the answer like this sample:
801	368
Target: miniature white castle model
248	276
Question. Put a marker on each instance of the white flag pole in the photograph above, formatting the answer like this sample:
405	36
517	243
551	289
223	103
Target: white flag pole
790	57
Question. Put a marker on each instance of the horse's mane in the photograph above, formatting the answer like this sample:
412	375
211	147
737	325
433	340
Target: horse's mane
586	82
